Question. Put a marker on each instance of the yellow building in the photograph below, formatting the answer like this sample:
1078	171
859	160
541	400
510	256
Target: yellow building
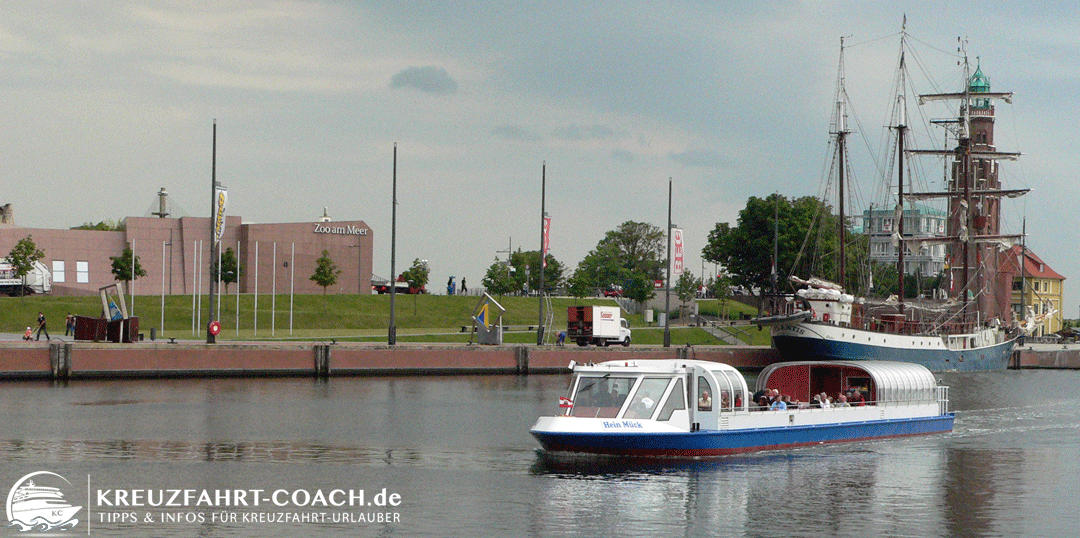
1037	289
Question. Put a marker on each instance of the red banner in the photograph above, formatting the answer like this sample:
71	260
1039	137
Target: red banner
547	239
677	252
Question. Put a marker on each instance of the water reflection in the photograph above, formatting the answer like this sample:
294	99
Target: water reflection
283	452
458	449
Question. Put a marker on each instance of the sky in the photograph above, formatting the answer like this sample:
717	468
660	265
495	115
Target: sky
104	103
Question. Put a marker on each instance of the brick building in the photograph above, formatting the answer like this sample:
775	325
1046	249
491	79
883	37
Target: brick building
175	252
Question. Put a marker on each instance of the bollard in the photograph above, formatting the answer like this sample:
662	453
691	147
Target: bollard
521	353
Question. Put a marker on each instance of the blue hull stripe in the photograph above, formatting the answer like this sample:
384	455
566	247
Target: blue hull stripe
990	358
723	442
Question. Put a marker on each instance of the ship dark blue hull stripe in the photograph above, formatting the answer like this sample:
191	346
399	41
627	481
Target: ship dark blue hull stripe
721	442
988	358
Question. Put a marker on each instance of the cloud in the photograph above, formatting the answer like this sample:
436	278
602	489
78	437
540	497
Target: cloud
584	132
622	156
428	79
516	134
698	158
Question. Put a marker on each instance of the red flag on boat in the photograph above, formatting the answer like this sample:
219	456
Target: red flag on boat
565	402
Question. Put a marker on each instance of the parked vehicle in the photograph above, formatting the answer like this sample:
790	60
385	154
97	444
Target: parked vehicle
38	280
382	286
599	325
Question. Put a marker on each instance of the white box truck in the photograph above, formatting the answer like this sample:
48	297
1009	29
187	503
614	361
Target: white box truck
38	280
599	325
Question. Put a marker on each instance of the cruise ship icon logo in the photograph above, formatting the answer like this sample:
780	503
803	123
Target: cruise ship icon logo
40	508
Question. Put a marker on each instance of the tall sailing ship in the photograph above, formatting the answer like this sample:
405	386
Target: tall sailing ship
970	326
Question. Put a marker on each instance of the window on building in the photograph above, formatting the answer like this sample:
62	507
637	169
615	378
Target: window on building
1018	285
58	271
82	272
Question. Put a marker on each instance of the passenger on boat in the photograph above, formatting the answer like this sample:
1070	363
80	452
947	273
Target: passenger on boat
826	402
841	401
704	403
763	393
725	401
641	408
763	403
856	398
778	405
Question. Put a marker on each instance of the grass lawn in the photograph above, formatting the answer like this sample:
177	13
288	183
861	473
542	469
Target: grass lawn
419	318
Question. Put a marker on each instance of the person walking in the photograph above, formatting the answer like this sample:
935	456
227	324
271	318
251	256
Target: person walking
41	327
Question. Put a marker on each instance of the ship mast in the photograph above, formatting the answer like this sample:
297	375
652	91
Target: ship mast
841	150
901	133
965	229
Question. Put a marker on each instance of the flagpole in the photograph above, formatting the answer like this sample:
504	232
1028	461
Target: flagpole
667	285
392	332
543	215
215	246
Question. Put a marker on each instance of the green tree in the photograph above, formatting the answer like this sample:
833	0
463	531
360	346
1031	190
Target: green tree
499	279
231	271
687	286
417	275
807	238
523	272
720	286
326	272
631	256
579	285
103	226
22	258
122	267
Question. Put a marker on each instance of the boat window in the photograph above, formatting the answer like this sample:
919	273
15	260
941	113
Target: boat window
705	393
675	402
643	403
736	401
600	396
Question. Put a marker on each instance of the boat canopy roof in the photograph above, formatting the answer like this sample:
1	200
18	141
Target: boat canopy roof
892	381
654	366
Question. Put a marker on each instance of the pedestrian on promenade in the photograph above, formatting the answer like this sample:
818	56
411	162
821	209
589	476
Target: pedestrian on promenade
41	327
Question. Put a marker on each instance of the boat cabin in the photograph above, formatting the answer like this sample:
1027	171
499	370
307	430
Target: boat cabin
681	393
879	382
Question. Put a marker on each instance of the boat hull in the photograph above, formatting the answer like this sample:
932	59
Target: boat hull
707	443
808	341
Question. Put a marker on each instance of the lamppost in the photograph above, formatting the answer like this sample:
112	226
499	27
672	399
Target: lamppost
667	283
215	244
391	338
543	252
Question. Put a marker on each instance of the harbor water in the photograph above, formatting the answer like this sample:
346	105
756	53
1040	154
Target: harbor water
451	456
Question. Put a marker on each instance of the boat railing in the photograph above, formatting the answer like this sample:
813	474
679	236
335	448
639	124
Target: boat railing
941	399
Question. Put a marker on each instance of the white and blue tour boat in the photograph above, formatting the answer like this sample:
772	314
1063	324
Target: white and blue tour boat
692	408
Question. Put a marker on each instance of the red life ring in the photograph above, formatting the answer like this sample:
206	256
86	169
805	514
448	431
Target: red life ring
215	328
825	317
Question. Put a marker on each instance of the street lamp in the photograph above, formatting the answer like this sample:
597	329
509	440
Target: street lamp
667	284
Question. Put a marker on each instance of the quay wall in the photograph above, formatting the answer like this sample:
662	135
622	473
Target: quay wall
68	360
